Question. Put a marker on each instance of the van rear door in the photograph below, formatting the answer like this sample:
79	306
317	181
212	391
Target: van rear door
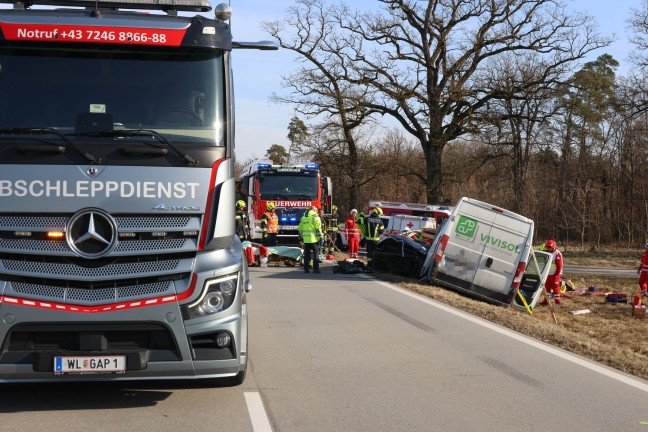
485	246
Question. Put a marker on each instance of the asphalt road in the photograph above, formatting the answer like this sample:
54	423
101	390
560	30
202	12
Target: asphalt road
335	352
601	271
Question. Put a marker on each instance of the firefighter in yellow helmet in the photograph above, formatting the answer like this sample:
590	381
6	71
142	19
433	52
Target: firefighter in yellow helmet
373	226
242	221
269	226
331	222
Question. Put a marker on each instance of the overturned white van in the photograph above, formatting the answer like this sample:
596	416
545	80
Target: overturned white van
486	251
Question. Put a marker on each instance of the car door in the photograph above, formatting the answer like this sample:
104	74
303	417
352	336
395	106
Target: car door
533	280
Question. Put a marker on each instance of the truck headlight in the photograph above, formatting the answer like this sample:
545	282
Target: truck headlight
218	295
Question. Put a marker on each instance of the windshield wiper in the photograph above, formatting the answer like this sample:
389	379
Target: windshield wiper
48	131
135	132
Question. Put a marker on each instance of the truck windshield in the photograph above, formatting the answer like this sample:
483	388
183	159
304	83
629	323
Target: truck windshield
288	187
77	92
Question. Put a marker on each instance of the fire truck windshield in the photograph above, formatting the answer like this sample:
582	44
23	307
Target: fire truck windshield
274	187
178	95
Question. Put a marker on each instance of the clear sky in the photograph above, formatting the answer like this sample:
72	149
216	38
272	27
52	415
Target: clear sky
259	123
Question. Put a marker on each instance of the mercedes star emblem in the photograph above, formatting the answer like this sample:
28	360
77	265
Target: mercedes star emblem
91	233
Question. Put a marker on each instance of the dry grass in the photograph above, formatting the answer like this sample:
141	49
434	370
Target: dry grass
609	334
617	257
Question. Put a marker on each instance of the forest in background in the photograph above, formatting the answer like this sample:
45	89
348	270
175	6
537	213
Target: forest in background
508	114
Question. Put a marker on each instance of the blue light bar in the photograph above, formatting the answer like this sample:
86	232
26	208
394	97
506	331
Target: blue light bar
263	166
293	219
283	219
311	166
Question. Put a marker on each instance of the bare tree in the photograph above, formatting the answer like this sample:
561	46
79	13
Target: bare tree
515	122
426	60
319	87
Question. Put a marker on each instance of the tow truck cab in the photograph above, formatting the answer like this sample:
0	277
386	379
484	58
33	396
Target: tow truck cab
118	259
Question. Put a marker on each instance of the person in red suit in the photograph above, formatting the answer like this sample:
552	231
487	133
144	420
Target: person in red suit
352	234
642	271
553	280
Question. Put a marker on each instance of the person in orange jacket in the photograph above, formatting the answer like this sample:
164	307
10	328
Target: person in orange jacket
642	271
269	226
553	280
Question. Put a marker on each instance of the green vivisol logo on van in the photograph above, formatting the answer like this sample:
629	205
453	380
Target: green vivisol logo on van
466	227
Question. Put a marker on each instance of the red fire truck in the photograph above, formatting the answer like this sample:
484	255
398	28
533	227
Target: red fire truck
293	189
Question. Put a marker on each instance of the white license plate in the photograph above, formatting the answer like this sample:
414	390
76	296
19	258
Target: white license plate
288	227
89	364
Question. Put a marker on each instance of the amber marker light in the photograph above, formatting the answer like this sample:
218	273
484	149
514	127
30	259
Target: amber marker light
55	235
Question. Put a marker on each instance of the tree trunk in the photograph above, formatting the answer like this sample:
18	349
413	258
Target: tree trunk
433	152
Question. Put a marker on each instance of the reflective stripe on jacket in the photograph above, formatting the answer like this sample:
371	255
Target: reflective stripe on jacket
270	222
310	228
373	227
332	223
351	228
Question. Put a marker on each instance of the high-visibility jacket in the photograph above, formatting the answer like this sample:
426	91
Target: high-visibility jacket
360	221
373	227
242	225
332	222
310	228
269	223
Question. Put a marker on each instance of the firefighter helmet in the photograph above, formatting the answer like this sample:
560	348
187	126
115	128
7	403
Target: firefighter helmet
333	209
353	212
378	211
646	246
550	245
240	204
270	206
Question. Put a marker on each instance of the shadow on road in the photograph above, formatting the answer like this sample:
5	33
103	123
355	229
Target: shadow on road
32	397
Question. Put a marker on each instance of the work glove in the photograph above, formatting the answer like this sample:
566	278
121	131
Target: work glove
265	235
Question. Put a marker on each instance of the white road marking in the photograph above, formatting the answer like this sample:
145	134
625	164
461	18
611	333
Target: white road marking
257	412
529	341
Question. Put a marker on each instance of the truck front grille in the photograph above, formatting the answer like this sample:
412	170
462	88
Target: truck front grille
153	257
90	296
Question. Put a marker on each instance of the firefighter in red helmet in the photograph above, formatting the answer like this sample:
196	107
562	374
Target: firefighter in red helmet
553	280
642	271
